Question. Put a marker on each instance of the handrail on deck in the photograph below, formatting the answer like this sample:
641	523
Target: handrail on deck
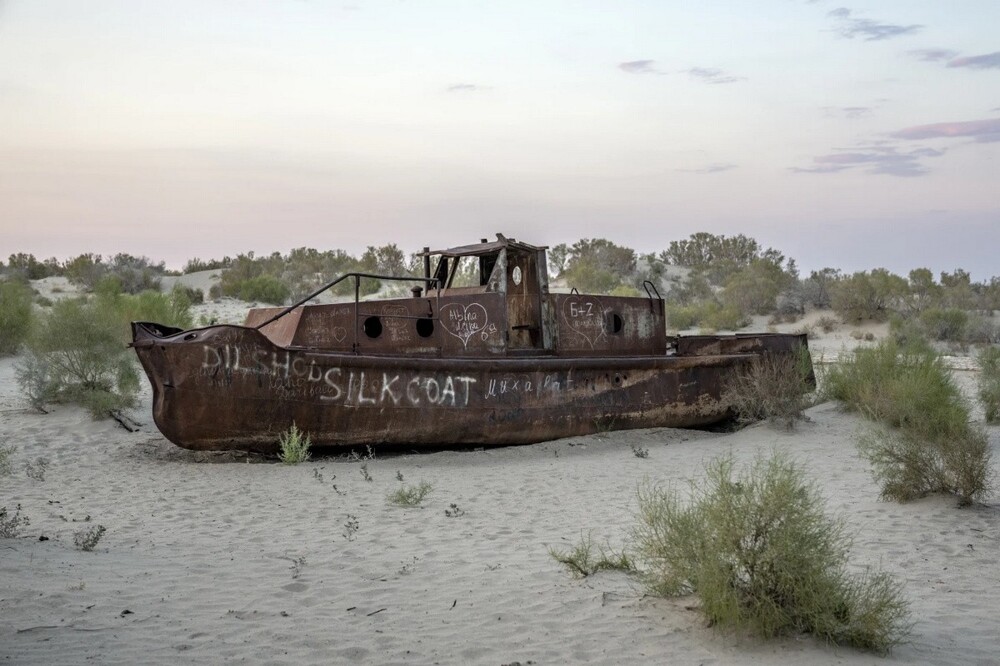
428	281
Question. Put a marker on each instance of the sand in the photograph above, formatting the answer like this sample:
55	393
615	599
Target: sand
220	558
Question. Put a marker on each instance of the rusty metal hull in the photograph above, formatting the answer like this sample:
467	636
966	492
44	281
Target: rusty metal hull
231	387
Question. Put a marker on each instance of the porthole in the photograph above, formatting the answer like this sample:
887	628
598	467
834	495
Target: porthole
516	275
372	327
425	327
615	323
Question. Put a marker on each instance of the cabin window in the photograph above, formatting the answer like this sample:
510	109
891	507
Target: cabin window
425	327
372	327
615	323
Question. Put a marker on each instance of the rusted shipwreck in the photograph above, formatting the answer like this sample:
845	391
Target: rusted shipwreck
497	360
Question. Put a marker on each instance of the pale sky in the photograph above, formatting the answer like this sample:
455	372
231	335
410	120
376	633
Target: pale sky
852	136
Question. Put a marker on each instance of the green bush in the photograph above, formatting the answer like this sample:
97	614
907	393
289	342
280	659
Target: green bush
706	314
936	448
410	496
868	295
772	386
989	383
16	316
908	467
76	355
293	446
762	556
264	288
947	324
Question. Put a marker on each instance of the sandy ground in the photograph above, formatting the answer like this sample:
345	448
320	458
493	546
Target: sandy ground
217	558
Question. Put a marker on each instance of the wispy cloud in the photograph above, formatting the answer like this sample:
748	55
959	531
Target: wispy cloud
639	67
713	75
848	111
933	55
880	160
985	61
981	131
718	167
867	29
466	88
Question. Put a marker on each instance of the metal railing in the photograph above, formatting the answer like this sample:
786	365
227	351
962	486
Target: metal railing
429	283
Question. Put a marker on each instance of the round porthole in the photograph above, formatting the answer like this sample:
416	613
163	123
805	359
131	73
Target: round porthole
515	275
425	327
615	323
372	327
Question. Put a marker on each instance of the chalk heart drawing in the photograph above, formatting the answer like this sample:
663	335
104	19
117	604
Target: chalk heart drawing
463	321
585	317
339	333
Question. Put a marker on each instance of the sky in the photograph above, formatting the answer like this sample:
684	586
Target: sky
854	136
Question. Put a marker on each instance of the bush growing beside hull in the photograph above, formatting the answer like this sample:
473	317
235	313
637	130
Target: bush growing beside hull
774	387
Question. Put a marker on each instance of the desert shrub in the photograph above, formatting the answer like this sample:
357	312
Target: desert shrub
936	449
293	446
762	556
32	375
946	324
989	383
867	295
16	316
76	355
907	332
263	288
87	538
816	287
410	495
903	387
192	295
908	467
173	309
771	386
707	314
136	274
11	522
755	288
6	451
828	324
583	561
85	270
982	330
26	267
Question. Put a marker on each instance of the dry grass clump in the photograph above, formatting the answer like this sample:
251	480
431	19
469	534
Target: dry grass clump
758	550
583	561
934	448
293	445
772	386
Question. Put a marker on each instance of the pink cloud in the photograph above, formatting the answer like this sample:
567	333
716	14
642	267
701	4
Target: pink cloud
983	131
